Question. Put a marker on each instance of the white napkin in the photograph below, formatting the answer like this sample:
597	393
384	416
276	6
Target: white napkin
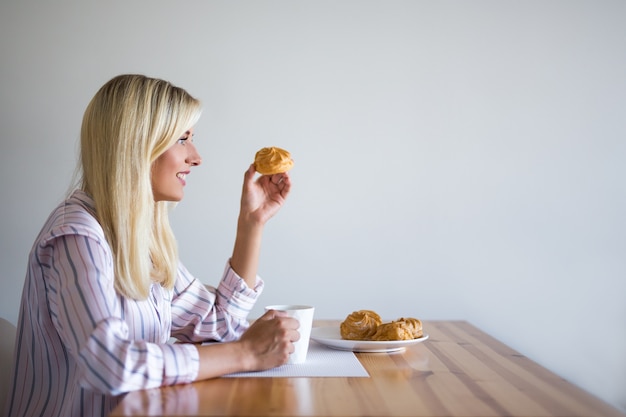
321	361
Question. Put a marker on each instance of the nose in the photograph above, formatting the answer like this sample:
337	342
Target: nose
193	157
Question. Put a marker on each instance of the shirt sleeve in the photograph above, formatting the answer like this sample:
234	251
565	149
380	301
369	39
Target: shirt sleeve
201	312
86	312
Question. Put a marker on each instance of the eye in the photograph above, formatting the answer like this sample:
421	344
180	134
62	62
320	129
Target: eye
185	138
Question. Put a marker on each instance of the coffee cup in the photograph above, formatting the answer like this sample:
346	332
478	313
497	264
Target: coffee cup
304	315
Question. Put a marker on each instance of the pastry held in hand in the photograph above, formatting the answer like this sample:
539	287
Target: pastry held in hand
272	160
360	325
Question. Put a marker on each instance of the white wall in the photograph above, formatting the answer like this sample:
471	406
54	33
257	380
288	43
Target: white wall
454	160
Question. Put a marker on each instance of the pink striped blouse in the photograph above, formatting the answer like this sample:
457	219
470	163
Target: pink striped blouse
80	345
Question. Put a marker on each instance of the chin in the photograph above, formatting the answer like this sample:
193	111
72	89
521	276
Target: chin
169	198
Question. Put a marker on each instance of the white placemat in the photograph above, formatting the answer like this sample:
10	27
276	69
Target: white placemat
321	361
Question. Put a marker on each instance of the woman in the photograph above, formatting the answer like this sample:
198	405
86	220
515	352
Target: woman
105	290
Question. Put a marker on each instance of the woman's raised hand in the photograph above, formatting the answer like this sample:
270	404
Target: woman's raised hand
262	197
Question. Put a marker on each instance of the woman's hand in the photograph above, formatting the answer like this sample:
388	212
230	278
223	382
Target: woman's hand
262	197
265	345
269	340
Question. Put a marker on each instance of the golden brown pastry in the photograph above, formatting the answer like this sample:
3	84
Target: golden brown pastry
415	325
272	160
360	325
396	330
367	325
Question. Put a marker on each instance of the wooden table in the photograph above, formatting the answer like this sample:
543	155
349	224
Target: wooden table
459	371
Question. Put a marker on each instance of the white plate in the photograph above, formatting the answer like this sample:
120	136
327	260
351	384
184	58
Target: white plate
331	337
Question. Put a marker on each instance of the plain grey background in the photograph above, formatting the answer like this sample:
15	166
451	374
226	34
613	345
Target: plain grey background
454	160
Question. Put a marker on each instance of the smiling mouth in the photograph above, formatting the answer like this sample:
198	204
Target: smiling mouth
181	175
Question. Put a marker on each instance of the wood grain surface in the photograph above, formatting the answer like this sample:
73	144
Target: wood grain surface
459	371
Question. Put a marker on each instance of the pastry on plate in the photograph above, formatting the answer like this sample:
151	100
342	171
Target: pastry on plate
360	325
272	160
402	329
414	325
396	330
367	325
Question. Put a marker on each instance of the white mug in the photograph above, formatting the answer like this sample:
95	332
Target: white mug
304	315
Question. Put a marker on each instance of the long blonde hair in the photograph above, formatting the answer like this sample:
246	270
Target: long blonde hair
127	125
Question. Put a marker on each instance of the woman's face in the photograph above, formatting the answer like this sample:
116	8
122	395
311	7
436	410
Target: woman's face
170	170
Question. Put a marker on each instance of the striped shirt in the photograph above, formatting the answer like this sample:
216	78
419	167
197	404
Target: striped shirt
80	345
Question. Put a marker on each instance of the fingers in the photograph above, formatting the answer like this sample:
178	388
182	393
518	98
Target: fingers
282	178
270	314
289	325
282	182
274	178
249	174
277	182
270	339
295	335
285	321
277	178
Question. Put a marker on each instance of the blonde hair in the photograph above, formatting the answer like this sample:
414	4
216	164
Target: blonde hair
128	124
